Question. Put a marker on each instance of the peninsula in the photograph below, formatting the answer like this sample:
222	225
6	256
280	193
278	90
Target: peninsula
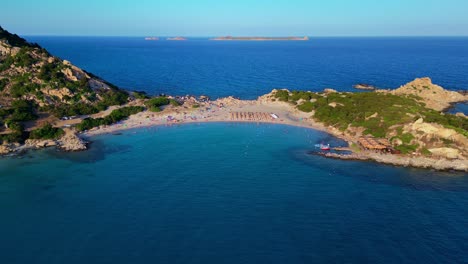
230	38
46	101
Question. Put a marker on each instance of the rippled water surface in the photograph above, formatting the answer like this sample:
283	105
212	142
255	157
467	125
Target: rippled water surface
225	193
249	69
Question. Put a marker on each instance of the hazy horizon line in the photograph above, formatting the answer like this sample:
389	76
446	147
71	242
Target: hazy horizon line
251	36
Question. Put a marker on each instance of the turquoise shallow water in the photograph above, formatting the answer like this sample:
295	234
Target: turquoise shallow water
225	193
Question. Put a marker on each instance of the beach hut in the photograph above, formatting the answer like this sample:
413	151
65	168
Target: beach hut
375	144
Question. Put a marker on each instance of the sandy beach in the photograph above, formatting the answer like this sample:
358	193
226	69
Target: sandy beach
263	111
222	110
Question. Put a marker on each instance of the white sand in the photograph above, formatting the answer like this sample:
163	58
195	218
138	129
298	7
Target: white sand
214	112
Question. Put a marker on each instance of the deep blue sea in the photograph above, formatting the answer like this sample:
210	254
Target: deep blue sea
235	193
225	193
249	69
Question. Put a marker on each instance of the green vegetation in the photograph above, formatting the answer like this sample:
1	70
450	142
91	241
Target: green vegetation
17	132
196	106
24	58
3	83
6	63
15	40
78	107
306	107
62	110
115	116
52	72
375	112
112	97
155	103
174	102
282	95
140	95
295	96
40	75
21	88
426	152
46	132
22	110
407	149
405	138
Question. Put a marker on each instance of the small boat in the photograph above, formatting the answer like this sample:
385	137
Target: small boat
323	146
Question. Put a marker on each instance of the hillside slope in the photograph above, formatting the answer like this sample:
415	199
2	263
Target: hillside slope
34	84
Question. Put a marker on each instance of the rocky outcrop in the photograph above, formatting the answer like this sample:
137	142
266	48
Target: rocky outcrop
36	143
6	49
398	160
434	96
449	153
71	142
59	93
437	131
5	149
362	86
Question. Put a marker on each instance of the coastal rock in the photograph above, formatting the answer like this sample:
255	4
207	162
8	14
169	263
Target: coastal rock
4	149
227	101
329	90
34	143
419	162
449	153
60	93
71	142
69	74
98	84
362	86
335	104
434	96
437	131
6	49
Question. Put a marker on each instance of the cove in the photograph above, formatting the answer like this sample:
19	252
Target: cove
223	192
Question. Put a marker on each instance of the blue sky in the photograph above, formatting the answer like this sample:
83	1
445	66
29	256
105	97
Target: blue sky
239	17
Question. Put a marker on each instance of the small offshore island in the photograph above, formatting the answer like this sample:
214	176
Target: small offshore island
230	38
177	39
48	102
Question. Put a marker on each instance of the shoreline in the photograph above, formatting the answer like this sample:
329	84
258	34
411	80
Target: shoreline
394	160
286	116
260	111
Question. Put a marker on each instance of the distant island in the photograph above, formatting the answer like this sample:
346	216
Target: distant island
151	38
177	39
49	102
230	38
